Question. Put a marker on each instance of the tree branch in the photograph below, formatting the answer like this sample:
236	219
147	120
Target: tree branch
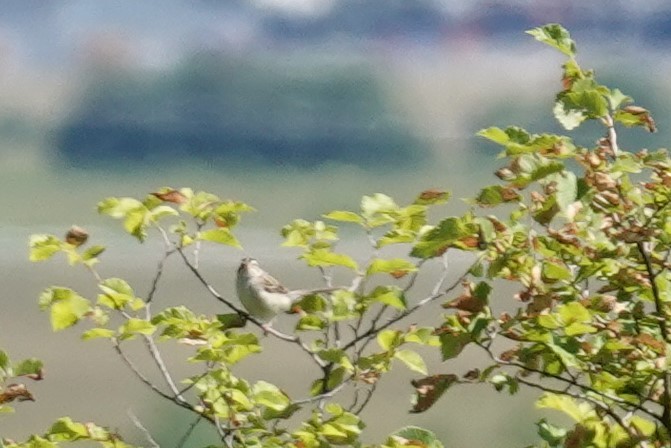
643	249
435	294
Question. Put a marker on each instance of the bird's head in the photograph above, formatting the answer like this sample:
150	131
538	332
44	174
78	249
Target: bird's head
247	263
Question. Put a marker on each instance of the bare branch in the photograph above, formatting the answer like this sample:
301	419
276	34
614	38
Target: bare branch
369	394
573	383
631	430
136	421
325	395
149	383
248	317
189	431
437	293
157	276
612	134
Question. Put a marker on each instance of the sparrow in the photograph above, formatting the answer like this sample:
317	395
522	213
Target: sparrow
263	296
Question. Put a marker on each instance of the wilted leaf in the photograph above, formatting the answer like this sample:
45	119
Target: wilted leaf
170	195
430	389
76	236
432	197
15	392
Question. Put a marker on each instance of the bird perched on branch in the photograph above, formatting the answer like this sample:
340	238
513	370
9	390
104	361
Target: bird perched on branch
263	296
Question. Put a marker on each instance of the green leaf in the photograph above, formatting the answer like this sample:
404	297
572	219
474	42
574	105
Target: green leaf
5	366
378	209
344	216
555	271
460	233
617	99
92	252
119	207
231	320
567	189
495	195
220	235
324	257
453	344
550	433
389	295
574	312
43	247
577	328
419	437
310	323
95	333
30	366
579	412
134	326
569	118
497	135
412	359
393	266
64	429
271	397
388	339
67	307
556	36
117	293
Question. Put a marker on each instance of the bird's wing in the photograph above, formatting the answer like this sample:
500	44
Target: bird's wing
271	284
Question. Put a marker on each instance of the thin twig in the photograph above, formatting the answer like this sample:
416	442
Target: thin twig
189	431
571	382
325	395
131	365
158	360
602	406
369	394
270	330
136	421
643	249
157	276
435	294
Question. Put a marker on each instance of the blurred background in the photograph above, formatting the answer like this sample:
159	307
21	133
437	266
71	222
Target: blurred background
295	106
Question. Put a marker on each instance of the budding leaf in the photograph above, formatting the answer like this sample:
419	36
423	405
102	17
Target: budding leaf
556	36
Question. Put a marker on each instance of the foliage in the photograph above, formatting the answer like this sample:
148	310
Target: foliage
582	234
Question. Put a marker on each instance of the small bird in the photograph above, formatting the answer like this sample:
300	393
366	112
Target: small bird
263	296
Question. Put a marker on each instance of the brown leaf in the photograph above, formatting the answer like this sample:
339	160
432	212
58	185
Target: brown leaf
649	341
509	355
173	196
221	222
470	241
18	392
430	389
644	115
472	375
432	194
369	376
539	303
76	236
467	301
398	274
